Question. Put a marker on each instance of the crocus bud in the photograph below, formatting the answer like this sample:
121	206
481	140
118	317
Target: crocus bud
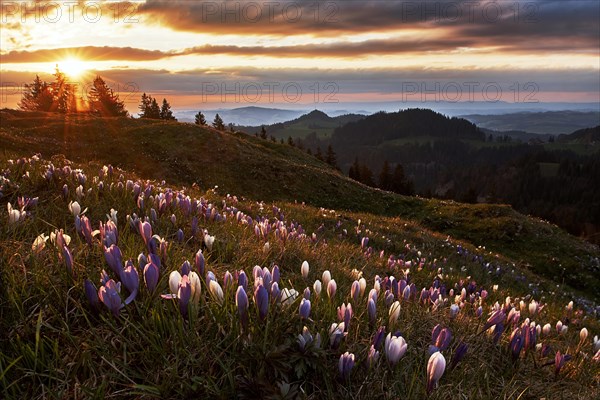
372	311
533	307
199	263
304	309
394	313
304	269
355	291
583	334
317	287
241	301
196	285
261	298
363	285
174	279
227	279
91	294
243	280
331	288
435	369
306	293
326	277
184	294
275	292
131	280
454	309
216	291
146	231
109	295
459	354
559	326
112	256
346	364
185	268
68	257
546	329
372	357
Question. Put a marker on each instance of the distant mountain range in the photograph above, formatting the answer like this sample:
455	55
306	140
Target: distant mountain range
549	122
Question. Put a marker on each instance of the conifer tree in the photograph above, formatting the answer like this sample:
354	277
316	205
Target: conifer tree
104	102
199	119
218	123
165	111
37	96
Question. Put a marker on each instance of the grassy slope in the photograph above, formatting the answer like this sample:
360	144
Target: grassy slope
185	154
56	347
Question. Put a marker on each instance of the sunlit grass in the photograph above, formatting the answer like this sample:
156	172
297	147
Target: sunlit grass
55	345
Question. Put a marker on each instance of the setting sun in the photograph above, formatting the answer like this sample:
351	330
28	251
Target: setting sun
72	67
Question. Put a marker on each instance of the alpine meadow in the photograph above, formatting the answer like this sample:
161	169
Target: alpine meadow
300	199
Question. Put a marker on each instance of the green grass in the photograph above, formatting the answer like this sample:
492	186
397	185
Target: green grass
188	155
55	346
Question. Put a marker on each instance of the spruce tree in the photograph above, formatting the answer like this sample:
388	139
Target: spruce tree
199	119
104	102
165	111
218	123
385	176
36	96
331	158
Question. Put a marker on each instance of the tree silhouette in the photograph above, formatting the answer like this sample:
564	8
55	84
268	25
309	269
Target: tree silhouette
37	96
218	123
165	111
104	102
199	119
263	132
63	93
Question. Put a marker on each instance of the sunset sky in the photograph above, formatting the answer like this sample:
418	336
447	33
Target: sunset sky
290	54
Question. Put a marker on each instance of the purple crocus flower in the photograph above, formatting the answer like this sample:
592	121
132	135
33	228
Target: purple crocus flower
241	301
372	311
145	230
304	309
355	291
112	255
275	273
68	257
151	274
180	235
496	318
184	294
109	295
91	293
372	357
227	280
199	262
345	365
435	369
261	298
86	229
275	292
559	361
441	337
186	268
243	280
154	259
516	343
378	337
131	280
459	354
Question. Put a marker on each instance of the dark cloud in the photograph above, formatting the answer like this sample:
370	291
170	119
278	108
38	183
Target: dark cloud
512	25
88	53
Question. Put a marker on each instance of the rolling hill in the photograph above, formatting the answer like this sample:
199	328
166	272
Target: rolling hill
185	154
316	124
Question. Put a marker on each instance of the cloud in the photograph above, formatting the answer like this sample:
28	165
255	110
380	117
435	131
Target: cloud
88	53
515	26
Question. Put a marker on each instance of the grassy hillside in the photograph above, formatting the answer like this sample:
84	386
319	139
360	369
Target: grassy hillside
249	338
185	154
316	124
